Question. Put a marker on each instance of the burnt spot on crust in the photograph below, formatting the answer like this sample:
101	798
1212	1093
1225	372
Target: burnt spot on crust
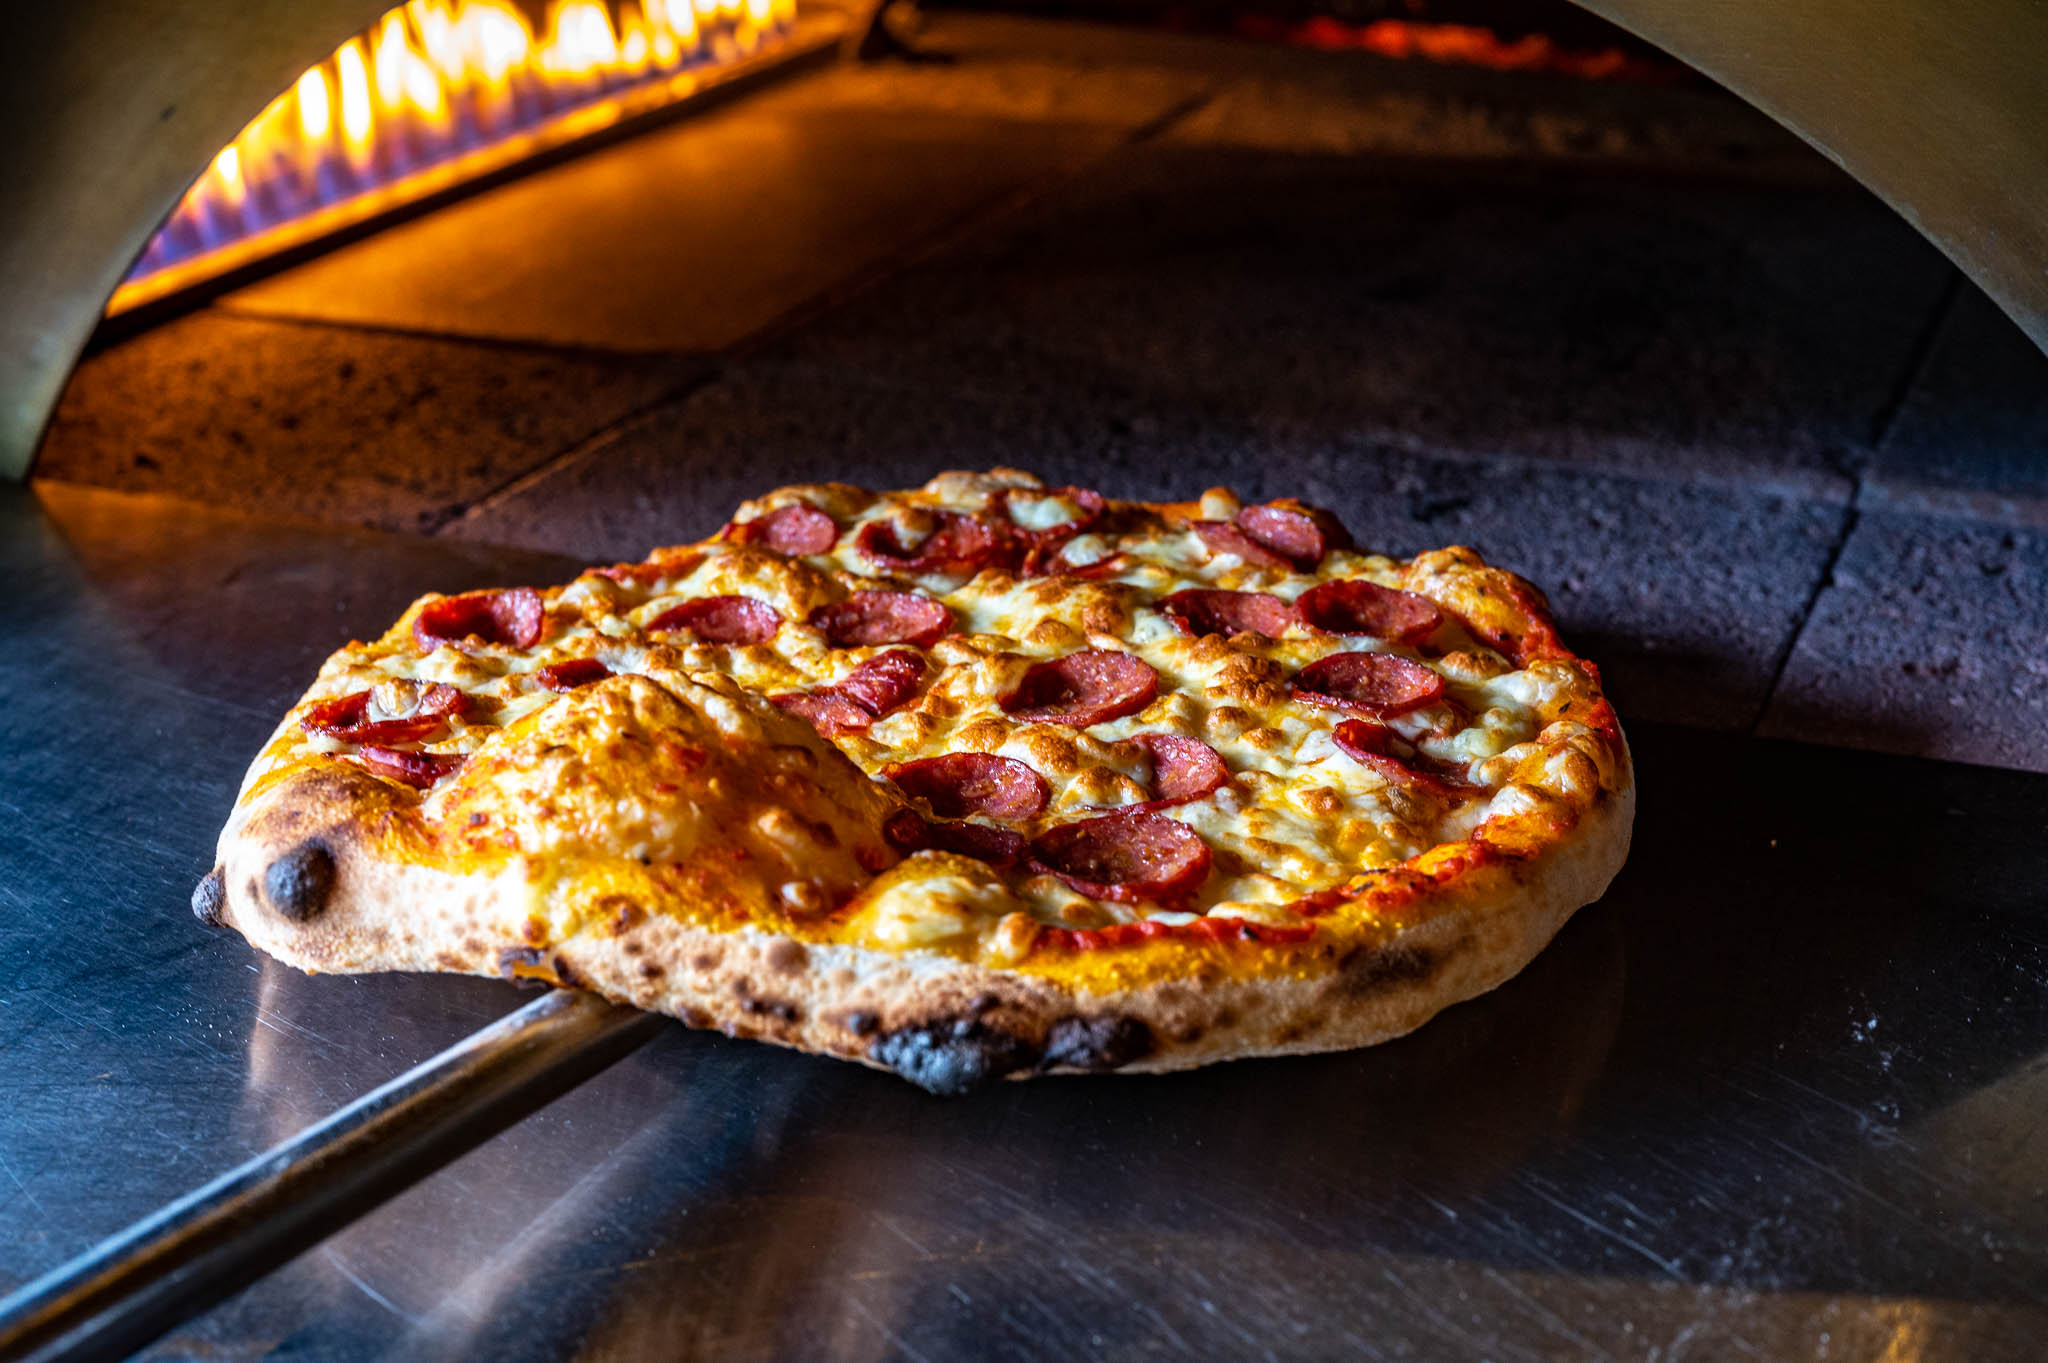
299	882
209	896
952	1058
780	1009
626	913
1103	1042
704	960
861	1023
1372	970
786	957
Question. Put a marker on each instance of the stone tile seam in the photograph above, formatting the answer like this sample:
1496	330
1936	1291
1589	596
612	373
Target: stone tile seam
1917	361
536	474
1910	375
1823	582
974	221
227	308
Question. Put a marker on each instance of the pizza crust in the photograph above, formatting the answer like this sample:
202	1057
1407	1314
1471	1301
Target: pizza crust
949	1025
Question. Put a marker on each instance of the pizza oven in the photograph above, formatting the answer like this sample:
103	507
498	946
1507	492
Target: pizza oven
1721	323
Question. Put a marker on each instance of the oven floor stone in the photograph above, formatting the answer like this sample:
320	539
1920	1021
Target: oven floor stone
1686	594
1972	435
1931	638
1685	329
349	426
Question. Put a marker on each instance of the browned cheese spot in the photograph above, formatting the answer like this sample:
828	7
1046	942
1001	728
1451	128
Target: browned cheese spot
1248	680
1051	634
1051	751
1321	800
1227	721
1102	614
983	735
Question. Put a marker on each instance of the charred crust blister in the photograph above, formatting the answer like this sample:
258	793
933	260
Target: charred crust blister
952	1058
298	883
1105	1042
210	896
1369	970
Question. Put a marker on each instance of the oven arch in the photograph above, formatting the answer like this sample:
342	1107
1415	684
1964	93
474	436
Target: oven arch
110	108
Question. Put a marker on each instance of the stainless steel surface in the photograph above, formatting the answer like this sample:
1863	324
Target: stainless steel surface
217	1239
1780	1094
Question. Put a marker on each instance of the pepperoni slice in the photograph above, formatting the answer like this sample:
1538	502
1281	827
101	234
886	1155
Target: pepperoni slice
870	691
332	717
1183	769
1359	739
1381	685
1224	538
794	531
884	681
830	713
1088	500
441	699
416	769
511	618
722	620
348	718
1127	856
1355	606
575	672
959	544
1042	545
1299	533
868	618
957	784
1199	611
1366	744
911	832
1093	686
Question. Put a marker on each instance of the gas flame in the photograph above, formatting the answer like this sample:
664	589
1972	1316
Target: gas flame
434	83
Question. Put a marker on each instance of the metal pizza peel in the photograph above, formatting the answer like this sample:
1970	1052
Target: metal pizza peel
132	1287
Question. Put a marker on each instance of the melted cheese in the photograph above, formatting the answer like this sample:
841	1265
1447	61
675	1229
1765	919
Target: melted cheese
585	782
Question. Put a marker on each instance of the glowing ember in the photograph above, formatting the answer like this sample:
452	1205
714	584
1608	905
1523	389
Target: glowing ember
436	92
1457	44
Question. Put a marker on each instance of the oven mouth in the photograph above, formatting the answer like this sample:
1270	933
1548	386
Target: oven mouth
443	98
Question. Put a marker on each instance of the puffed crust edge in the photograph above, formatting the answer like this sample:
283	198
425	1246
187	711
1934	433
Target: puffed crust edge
299	877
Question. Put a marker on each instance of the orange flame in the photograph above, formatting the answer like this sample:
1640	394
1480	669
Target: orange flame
434	81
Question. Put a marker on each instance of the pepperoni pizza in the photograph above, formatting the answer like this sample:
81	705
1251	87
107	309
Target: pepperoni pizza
980	780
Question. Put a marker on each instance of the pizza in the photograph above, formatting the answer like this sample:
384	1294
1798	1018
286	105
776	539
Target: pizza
980	780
